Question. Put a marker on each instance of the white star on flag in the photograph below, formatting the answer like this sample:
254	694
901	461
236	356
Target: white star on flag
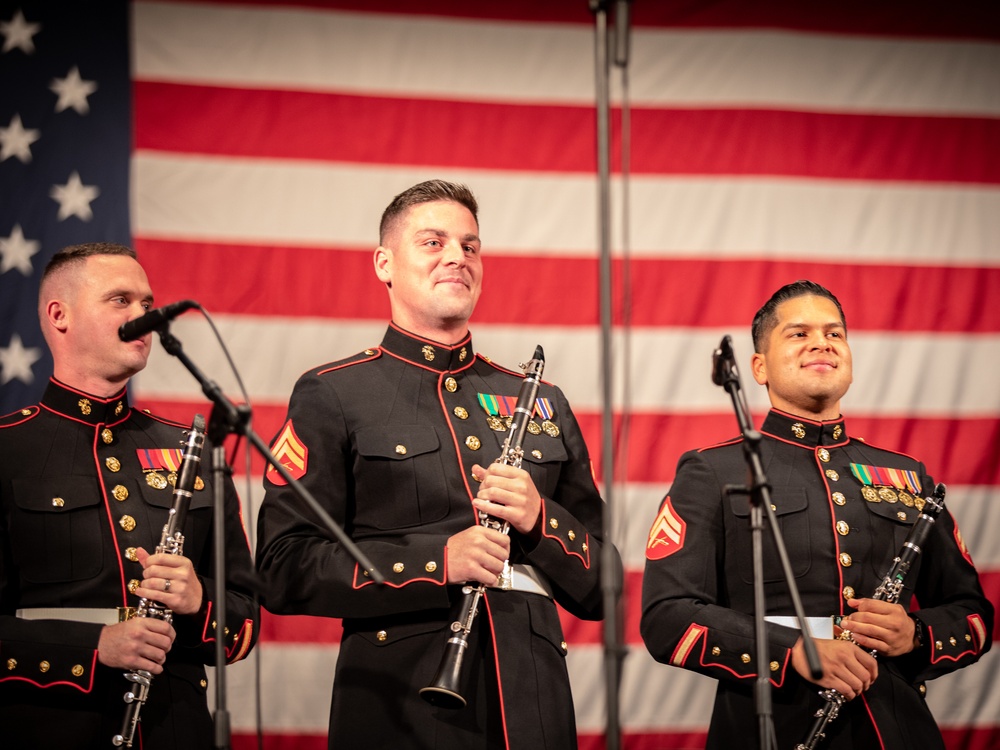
74	198
16	361
16	251
18	32
15	140
73	91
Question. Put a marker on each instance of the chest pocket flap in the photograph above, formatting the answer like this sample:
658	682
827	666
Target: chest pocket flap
399	442
55	533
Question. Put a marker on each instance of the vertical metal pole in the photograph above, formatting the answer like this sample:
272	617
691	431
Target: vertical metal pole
610	584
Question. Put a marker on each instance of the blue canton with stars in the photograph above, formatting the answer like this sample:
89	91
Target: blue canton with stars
65	142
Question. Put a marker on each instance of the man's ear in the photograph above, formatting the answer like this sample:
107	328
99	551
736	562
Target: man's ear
758	368
56	315
383	260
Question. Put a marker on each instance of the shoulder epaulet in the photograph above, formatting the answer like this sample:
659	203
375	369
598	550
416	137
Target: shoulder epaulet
495	366
508	371
731	441
164	420
368	355
18	417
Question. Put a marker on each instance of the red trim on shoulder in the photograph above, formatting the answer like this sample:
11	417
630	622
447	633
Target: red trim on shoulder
887	450
378	351
485	360
163	420
34	410
723	444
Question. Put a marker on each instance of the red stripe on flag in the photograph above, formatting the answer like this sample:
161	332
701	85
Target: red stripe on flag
331	126
685	292
299	628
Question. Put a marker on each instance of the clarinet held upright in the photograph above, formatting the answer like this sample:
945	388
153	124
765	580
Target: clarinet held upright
171	543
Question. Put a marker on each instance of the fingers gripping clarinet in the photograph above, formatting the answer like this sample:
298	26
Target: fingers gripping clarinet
879	622
169	585
479	556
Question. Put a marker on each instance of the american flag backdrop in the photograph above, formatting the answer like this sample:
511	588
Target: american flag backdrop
250	147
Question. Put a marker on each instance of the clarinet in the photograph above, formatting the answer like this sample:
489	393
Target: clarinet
888	591
172	543
443	692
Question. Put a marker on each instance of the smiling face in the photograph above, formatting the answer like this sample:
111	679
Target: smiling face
430	261
806	361
85	303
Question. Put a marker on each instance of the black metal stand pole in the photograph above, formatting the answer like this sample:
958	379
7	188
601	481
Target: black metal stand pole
725	373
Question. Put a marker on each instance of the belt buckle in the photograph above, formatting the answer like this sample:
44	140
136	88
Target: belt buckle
125	613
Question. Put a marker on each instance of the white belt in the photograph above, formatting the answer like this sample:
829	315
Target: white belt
103	616
526	578
820	627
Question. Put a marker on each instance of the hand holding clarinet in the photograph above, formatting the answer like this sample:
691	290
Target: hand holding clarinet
873	615
479	556
169	585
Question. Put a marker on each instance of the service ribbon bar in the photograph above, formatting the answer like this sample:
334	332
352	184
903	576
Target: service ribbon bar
155	459
883	476
543	406
489	402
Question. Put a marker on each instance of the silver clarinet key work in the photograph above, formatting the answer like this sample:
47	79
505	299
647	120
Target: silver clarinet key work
171	543
443	692
888	591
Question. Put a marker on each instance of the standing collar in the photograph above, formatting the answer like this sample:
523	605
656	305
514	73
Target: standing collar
427	353
84	407
805	432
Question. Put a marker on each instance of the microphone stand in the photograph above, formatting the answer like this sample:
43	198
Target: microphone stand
228	418
724	373
611	584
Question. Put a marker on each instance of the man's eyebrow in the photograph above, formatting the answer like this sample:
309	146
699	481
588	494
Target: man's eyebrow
799	324
470	237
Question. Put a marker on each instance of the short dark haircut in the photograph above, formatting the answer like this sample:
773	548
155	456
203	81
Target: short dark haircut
425	192
75	253
767	317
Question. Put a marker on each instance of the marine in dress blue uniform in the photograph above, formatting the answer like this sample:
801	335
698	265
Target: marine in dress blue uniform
75	503
85	490
844	508
388	442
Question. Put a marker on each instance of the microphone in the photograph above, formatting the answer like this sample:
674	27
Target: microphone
723	361
152	320
623	23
